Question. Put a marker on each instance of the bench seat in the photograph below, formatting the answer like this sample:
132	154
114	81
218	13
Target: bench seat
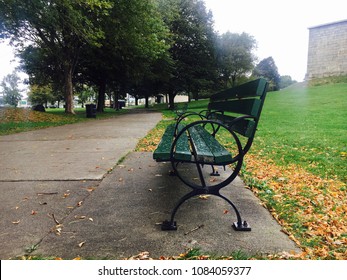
198	142
163	151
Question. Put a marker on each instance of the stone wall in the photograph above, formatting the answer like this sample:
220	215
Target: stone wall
327	51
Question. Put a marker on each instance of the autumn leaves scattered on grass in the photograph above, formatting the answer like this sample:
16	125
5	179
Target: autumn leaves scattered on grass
13	120
311	210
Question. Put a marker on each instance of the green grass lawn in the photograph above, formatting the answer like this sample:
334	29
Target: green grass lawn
14	120
306	126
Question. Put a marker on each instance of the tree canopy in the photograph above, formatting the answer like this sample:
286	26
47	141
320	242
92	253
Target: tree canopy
267	69
142	47
235	56
59	27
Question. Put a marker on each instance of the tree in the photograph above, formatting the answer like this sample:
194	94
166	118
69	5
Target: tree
85	94
267	69
286	81
234	56
10	90
192	46
134	39
40	95
60	27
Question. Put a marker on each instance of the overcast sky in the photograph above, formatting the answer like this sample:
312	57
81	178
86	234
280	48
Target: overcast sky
279	27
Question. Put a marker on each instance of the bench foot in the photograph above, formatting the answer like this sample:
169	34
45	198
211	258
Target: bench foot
215	174
168	225
244	226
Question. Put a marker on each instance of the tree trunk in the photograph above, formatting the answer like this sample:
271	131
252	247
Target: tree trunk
146	99
101	97
172	95
68	92
115	102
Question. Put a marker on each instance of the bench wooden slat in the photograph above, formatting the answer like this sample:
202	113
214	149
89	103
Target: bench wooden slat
244	106
250	89
244	127
208	149
182	152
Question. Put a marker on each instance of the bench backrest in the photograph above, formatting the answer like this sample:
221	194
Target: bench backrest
246	99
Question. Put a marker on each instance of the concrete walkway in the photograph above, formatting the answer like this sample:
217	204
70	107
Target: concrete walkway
63	195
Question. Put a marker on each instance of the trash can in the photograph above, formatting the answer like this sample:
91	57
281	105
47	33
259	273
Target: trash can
91	110
121	104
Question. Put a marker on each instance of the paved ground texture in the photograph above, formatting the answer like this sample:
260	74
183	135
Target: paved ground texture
64	195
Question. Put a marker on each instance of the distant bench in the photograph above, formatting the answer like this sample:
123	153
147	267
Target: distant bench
232	114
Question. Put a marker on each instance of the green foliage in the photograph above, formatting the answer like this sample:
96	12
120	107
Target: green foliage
192	49
234	56
40	94
286	81
267	69
59	28
86	94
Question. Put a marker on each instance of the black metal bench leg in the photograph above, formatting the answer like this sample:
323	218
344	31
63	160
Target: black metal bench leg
171	225
239	225
214	171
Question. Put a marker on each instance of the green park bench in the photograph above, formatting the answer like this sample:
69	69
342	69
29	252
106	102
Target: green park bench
218	138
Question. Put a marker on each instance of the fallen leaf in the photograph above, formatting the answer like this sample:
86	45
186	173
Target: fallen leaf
81	244
225	211
91	219
204	197
79	203
16	222
33	212
80	217
58	229
141	256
